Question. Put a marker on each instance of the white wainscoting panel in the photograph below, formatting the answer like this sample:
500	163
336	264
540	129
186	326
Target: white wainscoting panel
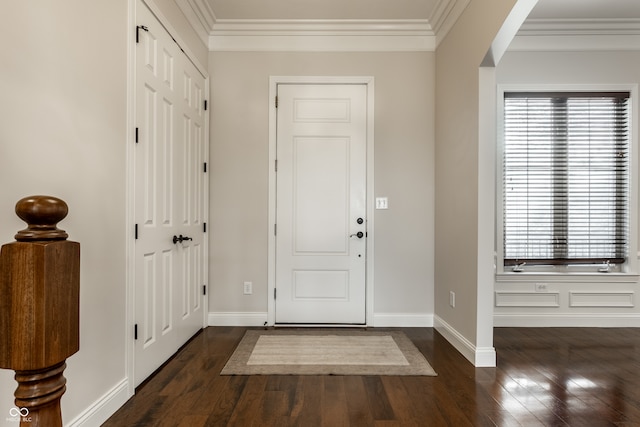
601	299
527	299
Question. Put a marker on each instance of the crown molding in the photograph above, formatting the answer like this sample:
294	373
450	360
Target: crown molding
578	35
399	35
310	35
592	27
200	16
321	35
444	16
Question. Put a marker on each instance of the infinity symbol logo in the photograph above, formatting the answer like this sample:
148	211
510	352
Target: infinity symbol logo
18	412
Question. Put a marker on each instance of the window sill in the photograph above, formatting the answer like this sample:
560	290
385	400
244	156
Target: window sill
574	276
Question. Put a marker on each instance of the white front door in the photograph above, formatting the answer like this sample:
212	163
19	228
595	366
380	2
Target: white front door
169	197
321	204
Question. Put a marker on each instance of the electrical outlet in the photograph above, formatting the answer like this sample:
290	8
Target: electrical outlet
542	287
452	298
248	288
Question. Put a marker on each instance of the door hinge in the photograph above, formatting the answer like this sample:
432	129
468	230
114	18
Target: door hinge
204	227
135	331
135	233
275	292
204	289
138	28
205	167
276	165
275	229
137	135
276	101
205	105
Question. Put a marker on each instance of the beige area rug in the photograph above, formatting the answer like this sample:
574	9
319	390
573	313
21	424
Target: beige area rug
318	352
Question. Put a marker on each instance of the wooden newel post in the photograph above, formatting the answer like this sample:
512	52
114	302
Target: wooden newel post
39	310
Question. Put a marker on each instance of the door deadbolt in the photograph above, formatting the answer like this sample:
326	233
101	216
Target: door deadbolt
359	220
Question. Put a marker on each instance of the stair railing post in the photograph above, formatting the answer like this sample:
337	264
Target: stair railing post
39	310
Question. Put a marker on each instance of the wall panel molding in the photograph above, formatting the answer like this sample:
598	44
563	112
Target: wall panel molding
601	299
527	299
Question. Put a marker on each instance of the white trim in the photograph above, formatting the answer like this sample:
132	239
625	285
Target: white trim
321	35
578	35
237	318
582	278
607	299
576	43
582	320
129	199
271	257
402	320
199	15
100	410
480	357
593	27
444	16
527	299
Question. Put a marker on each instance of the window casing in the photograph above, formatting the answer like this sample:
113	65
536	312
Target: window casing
566	178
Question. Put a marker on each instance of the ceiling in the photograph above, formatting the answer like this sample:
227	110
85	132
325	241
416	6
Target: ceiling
322	9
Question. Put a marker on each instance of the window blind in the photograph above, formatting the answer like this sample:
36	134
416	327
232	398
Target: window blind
565	178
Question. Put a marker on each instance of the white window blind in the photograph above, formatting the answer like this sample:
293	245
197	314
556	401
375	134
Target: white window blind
566	178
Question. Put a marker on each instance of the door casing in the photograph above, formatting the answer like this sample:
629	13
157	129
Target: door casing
273	88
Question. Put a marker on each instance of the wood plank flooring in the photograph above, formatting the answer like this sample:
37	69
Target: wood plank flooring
545	377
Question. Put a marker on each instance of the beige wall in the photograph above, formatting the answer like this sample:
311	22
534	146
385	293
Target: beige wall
404	96
62	133
458	58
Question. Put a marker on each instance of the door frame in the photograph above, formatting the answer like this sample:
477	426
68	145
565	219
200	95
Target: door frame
130	178
274	81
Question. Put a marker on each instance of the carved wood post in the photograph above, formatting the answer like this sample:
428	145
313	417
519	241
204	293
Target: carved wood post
39	309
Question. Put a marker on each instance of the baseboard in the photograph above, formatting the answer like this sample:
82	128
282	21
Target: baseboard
480	357
584	320
402	320
389	320
237	319
103	408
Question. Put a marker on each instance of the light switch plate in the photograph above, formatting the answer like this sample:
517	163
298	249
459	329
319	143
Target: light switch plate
382	203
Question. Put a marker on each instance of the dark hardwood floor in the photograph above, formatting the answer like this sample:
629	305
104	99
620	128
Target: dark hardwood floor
545	377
